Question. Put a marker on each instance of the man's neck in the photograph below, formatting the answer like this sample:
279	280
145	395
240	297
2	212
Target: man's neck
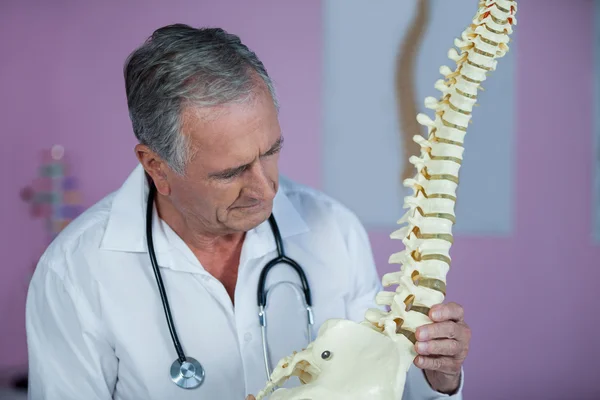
219	255
198	238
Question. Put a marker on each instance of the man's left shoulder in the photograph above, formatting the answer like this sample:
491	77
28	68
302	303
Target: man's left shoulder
317	208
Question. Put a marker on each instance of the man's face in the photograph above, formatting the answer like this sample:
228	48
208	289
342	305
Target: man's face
232	177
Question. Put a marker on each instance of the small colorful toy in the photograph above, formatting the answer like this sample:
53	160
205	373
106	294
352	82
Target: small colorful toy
54	195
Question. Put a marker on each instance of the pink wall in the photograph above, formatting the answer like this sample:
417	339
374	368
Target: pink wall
534	326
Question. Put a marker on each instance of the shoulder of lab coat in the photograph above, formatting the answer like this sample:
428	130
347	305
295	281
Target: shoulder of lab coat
70	354
316	205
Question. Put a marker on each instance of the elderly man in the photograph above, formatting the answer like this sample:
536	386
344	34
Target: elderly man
187	236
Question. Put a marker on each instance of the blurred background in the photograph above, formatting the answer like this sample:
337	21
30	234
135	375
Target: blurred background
350	75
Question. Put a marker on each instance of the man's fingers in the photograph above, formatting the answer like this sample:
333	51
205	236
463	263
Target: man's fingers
447	312
441	347
446	365
438	330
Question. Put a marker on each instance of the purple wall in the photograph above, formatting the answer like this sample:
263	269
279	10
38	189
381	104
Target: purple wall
529	298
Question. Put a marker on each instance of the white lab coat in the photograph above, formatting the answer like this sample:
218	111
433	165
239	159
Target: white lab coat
96	329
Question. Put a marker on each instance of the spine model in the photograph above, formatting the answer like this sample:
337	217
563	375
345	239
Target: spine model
369	360
427	234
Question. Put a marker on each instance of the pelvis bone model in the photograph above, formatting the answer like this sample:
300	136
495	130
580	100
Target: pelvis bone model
369	360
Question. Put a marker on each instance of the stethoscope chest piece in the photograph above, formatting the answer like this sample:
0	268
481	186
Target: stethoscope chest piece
187	375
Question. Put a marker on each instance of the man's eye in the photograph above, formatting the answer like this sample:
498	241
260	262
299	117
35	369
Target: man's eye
273	152
232	174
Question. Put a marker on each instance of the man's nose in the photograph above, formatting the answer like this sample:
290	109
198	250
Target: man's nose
261	186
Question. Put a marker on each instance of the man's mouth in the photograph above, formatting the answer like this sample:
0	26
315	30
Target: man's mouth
250	206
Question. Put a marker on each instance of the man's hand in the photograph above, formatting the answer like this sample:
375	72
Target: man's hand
443	347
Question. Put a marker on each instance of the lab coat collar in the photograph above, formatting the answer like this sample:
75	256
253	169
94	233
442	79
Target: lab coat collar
126	227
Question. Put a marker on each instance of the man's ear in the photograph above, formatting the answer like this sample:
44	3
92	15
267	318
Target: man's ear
154	166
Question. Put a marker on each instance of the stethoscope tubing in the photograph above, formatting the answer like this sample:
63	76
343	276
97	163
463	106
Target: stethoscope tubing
261	296
157	275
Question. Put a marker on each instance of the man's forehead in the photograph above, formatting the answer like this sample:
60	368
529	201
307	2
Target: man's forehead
230	133
206	125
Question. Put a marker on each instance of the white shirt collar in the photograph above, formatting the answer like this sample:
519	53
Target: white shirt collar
126	227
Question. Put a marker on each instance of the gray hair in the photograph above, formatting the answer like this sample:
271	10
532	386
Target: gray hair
180	66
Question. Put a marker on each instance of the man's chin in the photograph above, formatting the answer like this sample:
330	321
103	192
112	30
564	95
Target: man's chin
248	218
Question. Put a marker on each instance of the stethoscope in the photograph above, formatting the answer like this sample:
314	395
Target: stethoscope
186	372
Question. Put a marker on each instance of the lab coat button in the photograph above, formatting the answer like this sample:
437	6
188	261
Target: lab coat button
248	336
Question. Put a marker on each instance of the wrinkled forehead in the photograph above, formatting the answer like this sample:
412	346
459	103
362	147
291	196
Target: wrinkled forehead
231	133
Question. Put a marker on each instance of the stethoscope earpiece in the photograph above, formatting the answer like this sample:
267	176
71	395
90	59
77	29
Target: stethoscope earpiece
187	375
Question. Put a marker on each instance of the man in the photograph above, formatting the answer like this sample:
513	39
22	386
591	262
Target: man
204	111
